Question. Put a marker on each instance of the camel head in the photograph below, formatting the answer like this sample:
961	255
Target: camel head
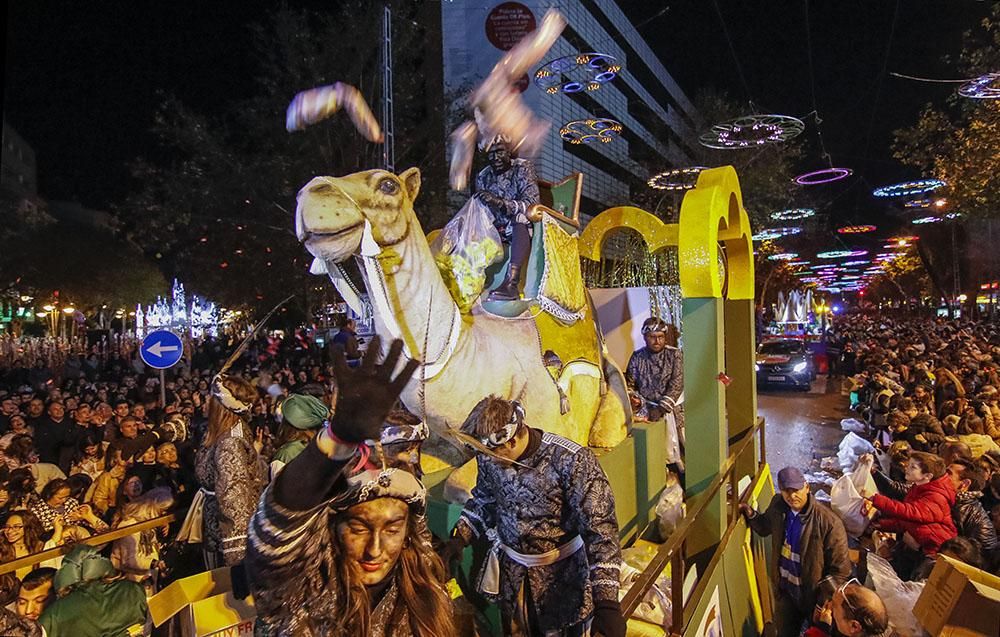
332	211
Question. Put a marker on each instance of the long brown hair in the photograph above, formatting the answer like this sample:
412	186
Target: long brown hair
220	419
32	535
421	578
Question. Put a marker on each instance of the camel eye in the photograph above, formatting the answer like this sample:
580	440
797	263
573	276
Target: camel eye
388	186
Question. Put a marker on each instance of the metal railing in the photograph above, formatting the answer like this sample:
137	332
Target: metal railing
94	540
673	550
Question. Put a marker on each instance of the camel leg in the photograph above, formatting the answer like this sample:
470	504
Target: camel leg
614	416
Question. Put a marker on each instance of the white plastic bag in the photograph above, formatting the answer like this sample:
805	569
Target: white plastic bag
853	424
884	460
655	606
849	506
669	508
463	250
861	477
898	596
852	447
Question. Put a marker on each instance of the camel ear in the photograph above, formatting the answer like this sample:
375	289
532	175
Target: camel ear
411	181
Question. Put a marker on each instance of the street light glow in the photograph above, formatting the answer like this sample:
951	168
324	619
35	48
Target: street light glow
49	307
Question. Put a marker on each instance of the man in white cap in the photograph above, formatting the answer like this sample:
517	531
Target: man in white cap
509	187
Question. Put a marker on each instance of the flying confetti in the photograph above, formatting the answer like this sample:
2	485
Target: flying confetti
317	104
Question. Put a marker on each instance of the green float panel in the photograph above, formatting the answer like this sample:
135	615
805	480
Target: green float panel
706	445
619	464
650	467
741	395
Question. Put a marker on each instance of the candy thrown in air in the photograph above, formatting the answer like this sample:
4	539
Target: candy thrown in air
317	104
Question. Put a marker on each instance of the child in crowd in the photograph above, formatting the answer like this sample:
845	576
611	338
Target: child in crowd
923	516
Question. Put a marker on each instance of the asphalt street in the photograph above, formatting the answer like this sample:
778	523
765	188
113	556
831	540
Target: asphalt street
802	426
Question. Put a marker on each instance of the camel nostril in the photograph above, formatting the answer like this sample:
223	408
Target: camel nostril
321	189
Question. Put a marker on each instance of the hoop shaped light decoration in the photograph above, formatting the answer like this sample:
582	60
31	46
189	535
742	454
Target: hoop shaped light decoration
984	87
793	214
920	202
676	179
576	73
824	176
783	256
776	233
848	264
909	188
922	220
856	229
751	131
586	131
841	254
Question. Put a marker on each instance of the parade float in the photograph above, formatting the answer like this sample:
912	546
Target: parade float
549	347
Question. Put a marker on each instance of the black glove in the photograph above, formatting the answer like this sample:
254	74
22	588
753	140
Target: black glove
608	619
366	395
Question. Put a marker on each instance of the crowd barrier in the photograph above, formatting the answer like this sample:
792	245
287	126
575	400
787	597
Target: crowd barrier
95	540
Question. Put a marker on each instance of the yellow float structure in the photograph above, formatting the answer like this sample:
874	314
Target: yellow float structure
715	260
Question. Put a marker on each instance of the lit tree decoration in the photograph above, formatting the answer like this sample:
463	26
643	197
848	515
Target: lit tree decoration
793	214
824	176
576	73
752	130
783	256
856	229
676	179
841	254
586	131
984	87
199	318
909	188
770	234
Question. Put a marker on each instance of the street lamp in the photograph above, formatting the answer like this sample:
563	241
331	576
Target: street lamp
69	309
49	307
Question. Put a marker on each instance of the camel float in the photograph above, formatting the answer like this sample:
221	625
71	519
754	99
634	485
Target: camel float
370	216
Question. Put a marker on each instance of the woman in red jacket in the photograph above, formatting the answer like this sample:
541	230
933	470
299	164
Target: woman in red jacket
925	512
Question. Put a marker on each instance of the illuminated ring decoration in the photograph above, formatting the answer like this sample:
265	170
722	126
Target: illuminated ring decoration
775	233
847	264
856	229
676	179
585	131
922	220
953	215
752	130
841	254
909	188
783	256
824	176
576	73
793	214
916	204
907	239
795	263
984	87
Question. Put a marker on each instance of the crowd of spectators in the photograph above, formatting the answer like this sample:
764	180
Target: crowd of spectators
87	446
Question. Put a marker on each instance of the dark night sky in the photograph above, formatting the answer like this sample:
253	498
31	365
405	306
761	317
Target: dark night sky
81	79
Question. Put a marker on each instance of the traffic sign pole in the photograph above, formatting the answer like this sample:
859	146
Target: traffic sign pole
163	392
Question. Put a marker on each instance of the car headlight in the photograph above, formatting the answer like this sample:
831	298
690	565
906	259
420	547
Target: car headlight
800	367
756	367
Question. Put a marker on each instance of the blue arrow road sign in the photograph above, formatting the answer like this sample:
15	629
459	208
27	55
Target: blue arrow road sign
161	349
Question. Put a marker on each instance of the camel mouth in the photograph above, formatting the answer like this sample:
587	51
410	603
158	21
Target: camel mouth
312	234
334	246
